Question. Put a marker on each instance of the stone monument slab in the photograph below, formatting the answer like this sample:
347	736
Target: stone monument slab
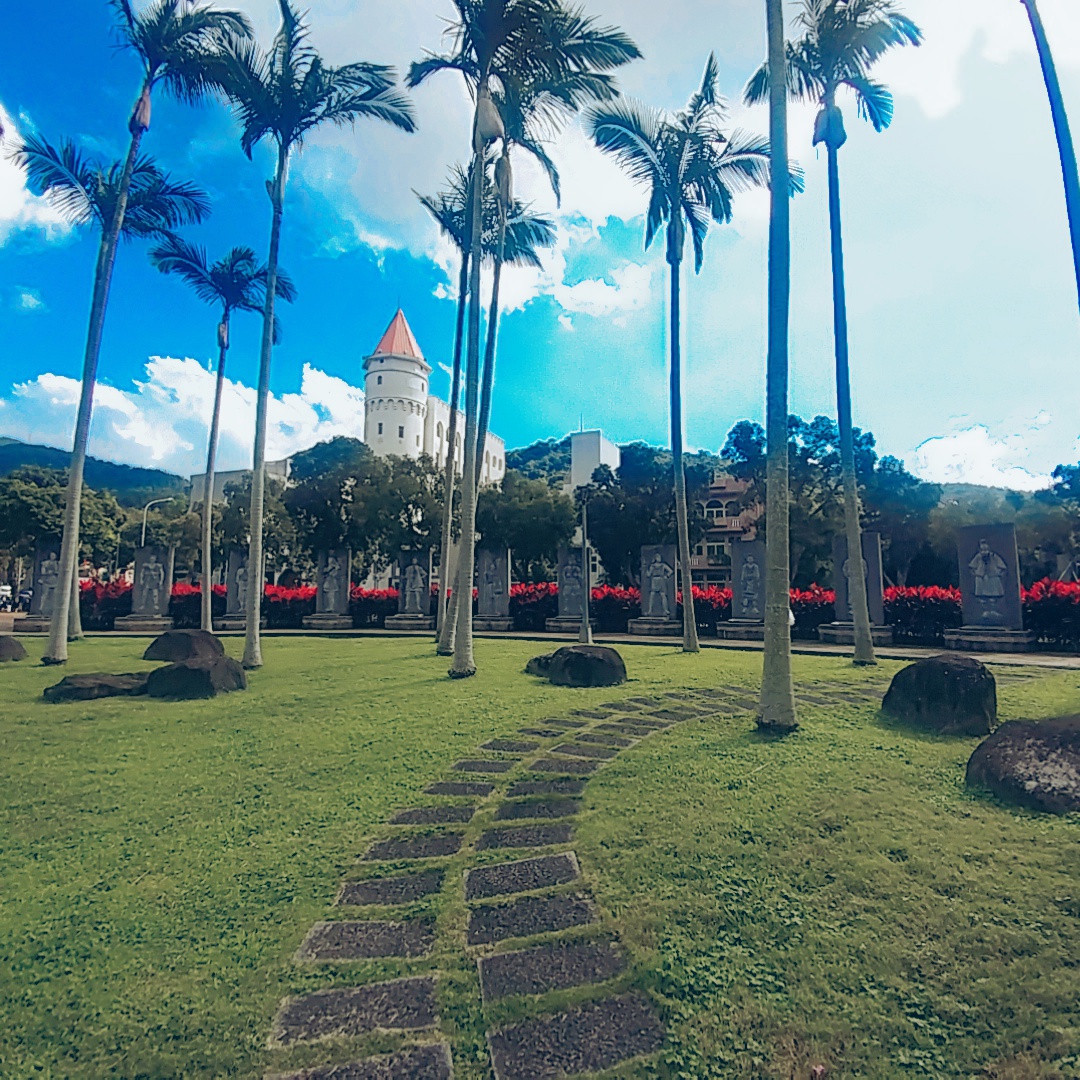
842	630
493	590
333	581
747	622
237	583
151	592
659	592
44	585
571	594
414	591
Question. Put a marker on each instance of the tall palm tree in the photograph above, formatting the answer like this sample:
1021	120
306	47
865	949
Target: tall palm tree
172	39
840	43
495	42
521	235
283	95
776	709
88	193
691	170
235	282
1061	130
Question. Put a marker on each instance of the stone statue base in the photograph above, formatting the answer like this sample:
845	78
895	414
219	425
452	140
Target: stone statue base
32	624
843	633
232	624
491	624
740	630
143	624
411	622
653	627
989	639
567	624
328	620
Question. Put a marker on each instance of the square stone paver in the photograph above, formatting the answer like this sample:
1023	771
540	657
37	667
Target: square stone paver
562	785
571	766
472	765
562	721
554	965
431	846
646	702
601	738
519	836
509	746
460	787
674	716
434	815
537	808
416	1063
638	731
593	714
400	1005
582	1039
585	750
367	940
404	889
522	876
544	732
491	923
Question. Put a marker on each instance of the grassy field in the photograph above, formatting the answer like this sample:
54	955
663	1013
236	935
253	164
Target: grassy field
835	898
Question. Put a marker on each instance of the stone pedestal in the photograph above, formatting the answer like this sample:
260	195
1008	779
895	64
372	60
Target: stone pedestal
32	624
843	633
232	624
655	627
410	622
487	624
986	639
567	625
143	624
740	630
327	620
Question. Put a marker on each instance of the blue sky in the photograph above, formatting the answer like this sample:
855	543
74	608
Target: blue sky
964	320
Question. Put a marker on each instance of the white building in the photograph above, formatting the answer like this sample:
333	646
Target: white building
588	451
401	417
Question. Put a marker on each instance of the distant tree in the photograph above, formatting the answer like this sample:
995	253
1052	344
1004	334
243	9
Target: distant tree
283	96
546	460
531	518
898	505
232	526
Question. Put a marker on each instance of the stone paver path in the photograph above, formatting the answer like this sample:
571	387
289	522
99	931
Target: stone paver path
531	929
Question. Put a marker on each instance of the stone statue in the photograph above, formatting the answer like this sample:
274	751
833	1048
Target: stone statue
151	583
242	586
48	580
415	587
572	586
750	580
657	576
332	581
988	571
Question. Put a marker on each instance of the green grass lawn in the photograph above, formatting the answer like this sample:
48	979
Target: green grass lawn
834	898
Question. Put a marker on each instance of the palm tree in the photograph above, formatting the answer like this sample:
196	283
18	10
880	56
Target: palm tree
235	282
496	42
283	95
524	233
88	193
1061	129
691	170
841	42
173	40
776	710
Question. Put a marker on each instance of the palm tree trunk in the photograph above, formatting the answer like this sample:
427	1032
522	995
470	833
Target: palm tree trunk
256	584
207	598
56	651
690	634
857	600
489	354
75	631
447	613
1061	129
776	711
464	664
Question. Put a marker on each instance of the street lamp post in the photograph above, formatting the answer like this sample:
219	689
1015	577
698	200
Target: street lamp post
585	635
146	510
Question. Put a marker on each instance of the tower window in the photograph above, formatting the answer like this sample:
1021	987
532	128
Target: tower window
380	429
401	432
380	380
417	440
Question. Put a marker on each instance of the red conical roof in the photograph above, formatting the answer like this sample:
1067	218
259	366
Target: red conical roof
399	340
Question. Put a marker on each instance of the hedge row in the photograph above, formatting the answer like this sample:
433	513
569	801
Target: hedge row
918	616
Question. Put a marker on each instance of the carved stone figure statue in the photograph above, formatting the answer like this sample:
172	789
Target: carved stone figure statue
332	582
242	587
151	583
989	570
750	580
657	575
49	579
415	587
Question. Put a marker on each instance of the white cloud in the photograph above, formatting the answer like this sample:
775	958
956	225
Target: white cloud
20	209
28	301
974	456
162	422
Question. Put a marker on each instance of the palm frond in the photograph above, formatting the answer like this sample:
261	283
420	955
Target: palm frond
709	95
629	132
874	101
175	255
61	173
526	234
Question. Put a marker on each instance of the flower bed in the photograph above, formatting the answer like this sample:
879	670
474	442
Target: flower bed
920	616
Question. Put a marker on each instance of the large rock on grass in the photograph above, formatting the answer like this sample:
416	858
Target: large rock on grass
96	685
946	694
540	665
204	678
1031	763
176	646
11	649
587	665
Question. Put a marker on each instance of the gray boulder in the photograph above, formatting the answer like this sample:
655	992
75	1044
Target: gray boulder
946	694
587	665
540	665
176	646
1031	763
97	685
192	679
11	649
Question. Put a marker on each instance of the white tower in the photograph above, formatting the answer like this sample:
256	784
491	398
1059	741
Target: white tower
396	393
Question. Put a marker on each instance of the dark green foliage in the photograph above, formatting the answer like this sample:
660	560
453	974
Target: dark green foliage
546	460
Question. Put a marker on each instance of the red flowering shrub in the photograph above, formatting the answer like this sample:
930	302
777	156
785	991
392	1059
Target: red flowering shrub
101	604
811	607
286	609
369	607
1052	611
921	615
711	606
185	607
613	607
533	604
